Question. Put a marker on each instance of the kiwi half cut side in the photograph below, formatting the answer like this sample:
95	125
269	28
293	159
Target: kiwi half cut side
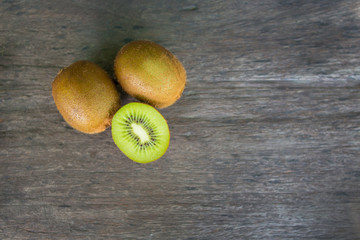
140	132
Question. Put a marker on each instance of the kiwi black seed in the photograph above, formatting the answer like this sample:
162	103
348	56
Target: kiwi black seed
140	132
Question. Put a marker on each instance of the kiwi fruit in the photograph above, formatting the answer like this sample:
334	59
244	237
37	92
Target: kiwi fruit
86	97
150	73
140	132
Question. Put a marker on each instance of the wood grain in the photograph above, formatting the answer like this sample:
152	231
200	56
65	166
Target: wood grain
265	142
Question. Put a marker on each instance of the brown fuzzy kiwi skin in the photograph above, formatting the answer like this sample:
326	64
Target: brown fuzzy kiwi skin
86	97
150	73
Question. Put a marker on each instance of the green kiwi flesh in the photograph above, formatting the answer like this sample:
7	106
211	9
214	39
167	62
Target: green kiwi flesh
140	132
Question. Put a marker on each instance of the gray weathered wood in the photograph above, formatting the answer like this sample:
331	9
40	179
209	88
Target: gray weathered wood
265	142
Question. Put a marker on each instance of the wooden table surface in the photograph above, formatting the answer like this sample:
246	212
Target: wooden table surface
265	141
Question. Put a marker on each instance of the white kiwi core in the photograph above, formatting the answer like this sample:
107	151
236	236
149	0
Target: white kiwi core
140	132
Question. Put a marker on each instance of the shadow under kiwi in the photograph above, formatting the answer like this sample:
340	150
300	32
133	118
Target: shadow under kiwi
112	34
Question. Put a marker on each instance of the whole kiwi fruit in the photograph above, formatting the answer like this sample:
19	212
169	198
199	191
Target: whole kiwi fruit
150	73
86	97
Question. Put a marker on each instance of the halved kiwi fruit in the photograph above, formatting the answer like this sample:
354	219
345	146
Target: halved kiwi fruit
150	73
140	132
86	97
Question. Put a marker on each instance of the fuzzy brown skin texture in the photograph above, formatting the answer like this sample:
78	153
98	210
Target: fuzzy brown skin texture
86	97
150	73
